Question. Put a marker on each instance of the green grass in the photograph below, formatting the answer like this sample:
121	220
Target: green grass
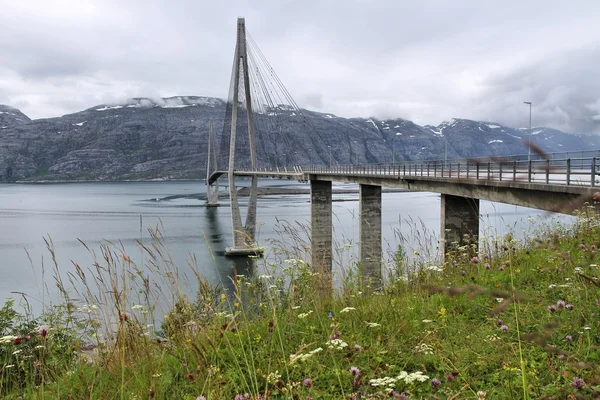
494	327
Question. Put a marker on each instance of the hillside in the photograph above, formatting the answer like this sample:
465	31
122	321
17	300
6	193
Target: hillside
167	139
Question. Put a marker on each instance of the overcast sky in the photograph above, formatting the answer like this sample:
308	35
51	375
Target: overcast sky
425	60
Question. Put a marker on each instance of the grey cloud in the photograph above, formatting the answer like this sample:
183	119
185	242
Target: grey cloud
564	90
427	61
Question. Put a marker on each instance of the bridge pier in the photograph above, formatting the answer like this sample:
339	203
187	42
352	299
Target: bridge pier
212	195
321	219
370	234
212	191
460	222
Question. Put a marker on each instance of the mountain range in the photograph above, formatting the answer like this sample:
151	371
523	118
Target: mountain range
167	138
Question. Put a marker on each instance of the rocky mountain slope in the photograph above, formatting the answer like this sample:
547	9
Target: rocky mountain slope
168	139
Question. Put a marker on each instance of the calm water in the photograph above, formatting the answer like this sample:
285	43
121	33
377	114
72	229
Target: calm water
98	213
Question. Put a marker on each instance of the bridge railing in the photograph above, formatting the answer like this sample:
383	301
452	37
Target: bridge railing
565	171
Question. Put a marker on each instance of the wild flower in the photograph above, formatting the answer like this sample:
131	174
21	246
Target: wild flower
569	338
449	377
330	315
7	339
507	263
487	266
501	268
347	309
417	376
424	348
273	377
435	382
481	395
385	381
427	321
43	331
17	340
578	383
307	382
493	338
337	344
475	260
582	246
354	370
552	308
200	398
569	307
372	324
304	315
299	357
238	397
499	322
578	270
560	304
463	272
357	347
504	328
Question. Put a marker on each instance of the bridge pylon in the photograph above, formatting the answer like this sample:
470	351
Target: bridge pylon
243	235
212	191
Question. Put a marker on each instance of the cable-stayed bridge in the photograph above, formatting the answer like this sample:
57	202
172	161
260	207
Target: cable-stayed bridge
261	115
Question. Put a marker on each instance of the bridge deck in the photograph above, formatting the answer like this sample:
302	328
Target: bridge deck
554	185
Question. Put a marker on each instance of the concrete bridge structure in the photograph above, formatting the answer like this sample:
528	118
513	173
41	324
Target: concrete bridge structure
556	185
557	182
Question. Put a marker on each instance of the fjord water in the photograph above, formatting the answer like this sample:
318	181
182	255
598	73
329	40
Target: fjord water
121	212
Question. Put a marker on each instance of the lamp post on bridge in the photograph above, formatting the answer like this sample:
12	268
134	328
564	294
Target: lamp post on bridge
529	141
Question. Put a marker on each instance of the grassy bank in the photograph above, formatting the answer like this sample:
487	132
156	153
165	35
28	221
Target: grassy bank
517	320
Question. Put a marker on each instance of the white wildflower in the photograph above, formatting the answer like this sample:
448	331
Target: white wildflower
337	344
427	321
492	338
415	376
347	309
304	315
7	339
424	348
273	377
372	324
385	381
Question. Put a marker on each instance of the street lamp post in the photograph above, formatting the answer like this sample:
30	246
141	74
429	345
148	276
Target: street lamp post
529	141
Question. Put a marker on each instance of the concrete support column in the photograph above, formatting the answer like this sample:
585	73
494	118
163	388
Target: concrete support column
370	234
460	222
321	230
212	195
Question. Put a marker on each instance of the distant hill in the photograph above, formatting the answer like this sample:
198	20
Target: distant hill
167	139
